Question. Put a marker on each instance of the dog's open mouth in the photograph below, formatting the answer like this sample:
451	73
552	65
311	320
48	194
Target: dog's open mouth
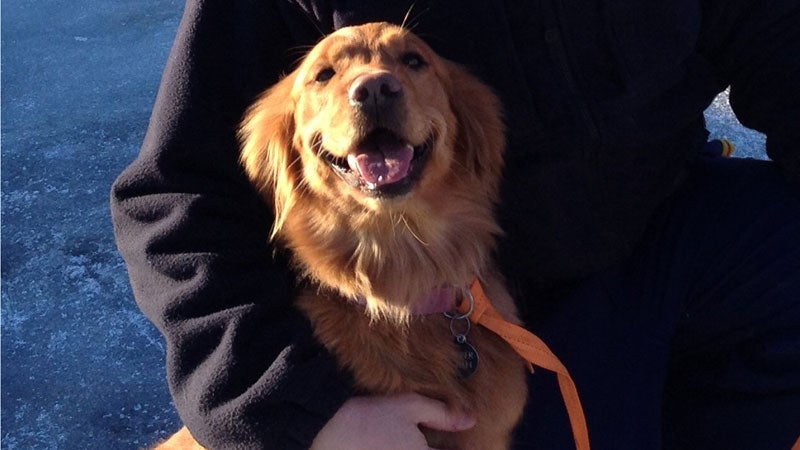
381	165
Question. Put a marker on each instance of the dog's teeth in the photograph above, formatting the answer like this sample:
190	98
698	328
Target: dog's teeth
371	185
380	178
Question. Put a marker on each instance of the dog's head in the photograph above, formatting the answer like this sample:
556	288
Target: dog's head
371	130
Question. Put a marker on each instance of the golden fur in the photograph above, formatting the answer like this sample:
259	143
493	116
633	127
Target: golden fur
391	251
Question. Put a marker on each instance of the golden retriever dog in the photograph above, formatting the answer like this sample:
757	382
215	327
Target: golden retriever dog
382	161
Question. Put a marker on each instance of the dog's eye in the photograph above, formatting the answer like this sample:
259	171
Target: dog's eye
325	75
413	61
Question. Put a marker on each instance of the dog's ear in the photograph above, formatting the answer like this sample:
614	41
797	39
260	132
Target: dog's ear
481	133
268	154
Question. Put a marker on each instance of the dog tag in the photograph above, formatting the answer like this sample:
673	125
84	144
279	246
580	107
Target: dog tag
468	363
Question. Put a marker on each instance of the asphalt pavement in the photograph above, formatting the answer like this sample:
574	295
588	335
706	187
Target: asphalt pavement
81	366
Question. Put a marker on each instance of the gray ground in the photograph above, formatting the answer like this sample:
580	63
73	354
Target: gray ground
81	367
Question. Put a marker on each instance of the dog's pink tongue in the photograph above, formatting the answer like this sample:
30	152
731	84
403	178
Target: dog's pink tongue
383	160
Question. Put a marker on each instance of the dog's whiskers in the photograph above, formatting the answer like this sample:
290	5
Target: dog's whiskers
314	22
300	50
397	220
409	22
408	14
304	188
462	166
411	230
295	161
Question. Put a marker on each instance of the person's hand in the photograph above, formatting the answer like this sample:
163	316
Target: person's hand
388	423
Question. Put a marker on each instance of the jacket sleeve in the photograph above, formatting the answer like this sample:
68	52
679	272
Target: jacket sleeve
242	365
756	46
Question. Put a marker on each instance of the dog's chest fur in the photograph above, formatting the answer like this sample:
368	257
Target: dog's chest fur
389	358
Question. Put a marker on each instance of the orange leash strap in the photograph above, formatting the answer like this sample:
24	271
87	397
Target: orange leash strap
535	351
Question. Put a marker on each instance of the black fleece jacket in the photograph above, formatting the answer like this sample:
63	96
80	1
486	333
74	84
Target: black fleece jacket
604	104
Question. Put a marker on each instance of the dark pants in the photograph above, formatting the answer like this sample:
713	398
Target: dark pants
694	341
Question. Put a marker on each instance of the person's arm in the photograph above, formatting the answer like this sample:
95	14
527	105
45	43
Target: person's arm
242	365
756	47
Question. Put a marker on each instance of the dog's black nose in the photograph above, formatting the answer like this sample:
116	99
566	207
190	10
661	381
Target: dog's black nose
375	90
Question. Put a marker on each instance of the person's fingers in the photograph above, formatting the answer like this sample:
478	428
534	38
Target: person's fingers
435	414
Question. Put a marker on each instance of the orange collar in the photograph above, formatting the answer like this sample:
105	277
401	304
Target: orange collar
533	350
